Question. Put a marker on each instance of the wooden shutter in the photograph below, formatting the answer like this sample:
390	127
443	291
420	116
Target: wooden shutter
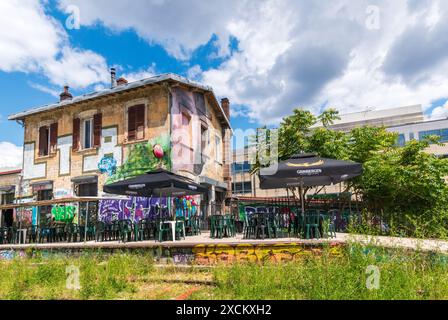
76	135
53	136
131	124
97	127
43	141
140	121
136	122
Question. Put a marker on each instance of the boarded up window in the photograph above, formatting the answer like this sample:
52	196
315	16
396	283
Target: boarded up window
44	133
136	122
97	127
200	103
76	135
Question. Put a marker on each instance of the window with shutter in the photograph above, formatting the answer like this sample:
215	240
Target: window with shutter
43	141
140	122
87	133
76	135
97	127
136	122
53	136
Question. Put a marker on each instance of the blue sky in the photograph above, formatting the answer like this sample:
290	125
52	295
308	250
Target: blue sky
267	56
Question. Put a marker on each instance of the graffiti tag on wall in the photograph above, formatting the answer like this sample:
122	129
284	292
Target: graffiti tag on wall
224	253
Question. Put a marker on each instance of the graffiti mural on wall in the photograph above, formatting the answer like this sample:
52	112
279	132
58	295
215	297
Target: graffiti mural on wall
63	213
11	254
142	158
24	216
121	209
224	253
189	113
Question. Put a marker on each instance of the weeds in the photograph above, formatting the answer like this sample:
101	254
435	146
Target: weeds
403	275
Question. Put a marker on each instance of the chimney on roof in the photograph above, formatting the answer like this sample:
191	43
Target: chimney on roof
121	81
66	95
225	104
113	77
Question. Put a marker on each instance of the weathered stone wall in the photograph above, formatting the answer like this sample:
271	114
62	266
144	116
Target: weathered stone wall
63	164
9	180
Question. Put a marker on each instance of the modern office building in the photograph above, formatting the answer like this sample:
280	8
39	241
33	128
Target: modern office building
419	130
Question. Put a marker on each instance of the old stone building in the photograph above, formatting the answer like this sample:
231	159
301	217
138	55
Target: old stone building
73	147
9	186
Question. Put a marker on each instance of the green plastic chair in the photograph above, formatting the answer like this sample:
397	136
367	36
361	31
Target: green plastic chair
216	227
180	225
164	229
249	227
229	229
312	225
125	230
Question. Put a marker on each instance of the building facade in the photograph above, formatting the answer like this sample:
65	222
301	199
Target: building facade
377	118
9	186
419	130
76	146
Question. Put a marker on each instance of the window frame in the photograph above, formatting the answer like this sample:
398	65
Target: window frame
47	153
128	106
83	133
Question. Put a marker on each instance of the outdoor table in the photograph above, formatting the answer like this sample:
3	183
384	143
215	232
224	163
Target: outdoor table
173	227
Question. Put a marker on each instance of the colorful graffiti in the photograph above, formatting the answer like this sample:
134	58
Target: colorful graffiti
23	216
63	213
134	209
11	254
141	159
225	253
186	206
107	165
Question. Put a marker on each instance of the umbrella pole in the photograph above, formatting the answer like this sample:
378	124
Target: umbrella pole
85	225
302	200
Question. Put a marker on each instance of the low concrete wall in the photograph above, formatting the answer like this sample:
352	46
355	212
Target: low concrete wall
183	253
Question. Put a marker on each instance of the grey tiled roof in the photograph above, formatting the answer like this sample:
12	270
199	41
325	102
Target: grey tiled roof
125	87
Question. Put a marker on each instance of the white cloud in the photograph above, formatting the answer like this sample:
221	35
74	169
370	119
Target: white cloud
140	74
290	53
180	26
50	91
33	41
313	54
194	72
11	155
440	112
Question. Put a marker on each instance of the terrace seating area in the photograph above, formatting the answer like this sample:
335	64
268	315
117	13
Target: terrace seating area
255	221
158	229
261	222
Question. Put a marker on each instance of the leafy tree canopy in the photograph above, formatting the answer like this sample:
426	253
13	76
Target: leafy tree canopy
404	186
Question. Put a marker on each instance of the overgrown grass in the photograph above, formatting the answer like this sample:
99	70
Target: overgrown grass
403	275
101	276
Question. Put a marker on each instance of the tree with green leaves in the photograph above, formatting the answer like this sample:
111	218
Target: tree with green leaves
404	187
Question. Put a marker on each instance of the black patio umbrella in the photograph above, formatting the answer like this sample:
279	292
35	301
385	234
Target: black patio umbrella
307	170
156	183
